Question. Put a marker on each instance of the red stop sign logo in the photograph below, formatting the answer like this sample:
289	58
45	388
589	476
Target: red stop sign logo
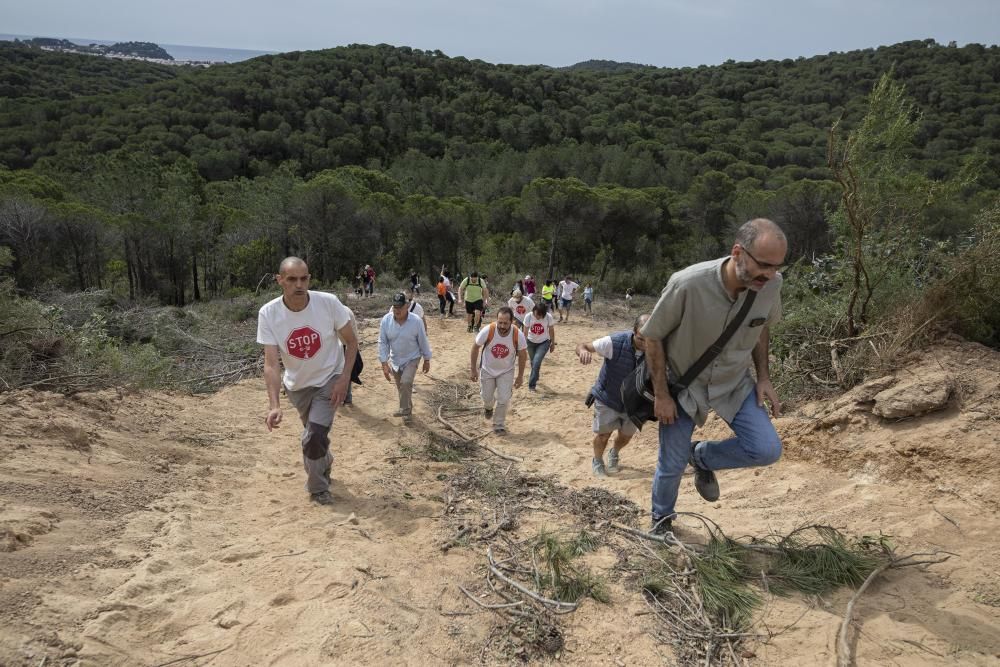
537	328
303	343
521	310
500	351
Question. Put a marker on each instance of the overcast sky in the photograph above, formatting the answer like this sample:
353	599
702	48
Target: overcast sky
667	33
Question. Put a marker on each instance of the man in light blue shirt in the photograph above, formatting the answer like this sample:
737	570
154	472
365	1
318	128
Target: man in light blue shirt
402	341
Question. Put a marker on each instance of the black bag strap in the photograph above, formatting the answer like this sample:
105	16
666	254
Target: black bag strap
713	351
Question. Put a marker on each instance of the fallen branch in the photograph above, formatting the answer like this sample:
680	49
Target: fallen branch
845	656
560	607
475	440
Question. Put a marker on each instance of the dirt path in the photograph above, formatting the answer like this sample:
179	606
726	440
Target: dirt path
143	530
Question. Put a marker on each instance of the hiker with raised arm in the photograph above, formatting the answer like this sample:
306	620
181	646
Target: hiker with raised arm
304	330
733	300
621	352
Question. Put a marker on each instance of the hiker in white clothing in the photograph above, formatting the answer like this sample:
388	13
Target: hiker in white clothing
501	343
520	305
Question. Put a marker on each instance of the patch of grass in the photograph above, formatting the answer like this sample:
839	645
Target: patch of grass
559	576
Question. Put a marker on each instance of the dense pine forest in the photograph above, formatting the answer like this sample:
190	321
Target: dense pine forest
181	185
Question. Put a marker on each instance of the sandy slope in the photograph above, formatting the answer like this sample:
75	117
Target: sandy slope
137	530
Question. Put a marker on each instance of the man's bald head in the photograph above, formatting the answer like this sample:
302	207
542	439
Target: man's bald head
291	263
759	229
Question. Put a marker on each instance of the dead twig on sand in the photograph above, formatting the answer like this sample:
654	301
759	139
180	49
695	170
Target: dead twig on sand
845	656
191	657
475	440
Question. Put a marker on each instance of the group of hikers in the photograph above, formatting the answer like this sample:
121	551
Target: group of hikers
732	300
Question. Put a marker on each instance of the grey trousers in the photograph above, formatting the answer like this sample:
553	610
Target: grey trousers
500	389
316	413
404	385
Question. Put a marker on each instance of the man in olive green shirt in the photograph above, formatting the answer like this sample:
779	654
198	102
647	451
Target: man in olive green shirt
694	309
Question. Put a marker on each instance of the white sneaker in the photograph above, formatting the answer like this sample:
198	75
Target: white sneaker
597	465
613	460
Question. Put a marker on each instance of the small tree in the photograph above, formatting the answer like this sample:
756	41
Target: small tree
881	199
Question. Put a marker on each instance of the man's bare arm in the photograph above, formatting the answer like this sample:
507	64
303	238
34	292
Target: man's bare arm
272	380
664	407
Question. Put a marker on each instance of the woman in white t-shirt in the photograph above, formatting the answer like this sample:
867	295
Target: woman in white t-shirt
540	329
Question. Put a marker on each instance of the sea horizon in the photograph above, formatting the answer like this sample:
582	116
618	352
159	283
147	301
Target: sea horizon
182	52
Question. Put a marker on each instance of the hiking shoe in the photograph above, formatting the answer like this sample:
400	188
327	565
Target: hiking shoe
401	413
500	430
321	498
661	526
597	465
488	413
704	480
469	329
613	460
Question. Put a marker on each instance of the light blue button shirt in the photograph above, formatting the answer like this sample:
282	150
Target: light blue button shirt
399	344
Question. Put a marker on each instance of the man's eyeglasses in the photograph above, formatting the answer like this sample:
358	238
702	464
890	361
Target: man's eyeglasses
764	265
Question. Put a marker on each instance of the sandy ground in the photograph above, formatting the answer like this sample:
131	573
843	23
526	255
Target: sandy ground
172	529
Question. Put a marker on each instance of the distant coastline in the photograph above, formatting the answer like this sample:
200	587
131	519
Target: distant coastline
181	53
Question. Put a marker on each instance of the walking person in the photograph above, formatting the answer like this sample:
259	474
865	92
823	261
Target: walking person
442	291
414	282
548	295
529	287
304	329
567	288
695	307
521	306
501	345
369	281
588	299
402	342
448	293
476	294
540	330
621	352
414	307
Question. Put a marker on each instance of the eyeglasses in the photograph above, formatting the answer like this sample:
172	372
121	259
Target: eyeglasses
764	265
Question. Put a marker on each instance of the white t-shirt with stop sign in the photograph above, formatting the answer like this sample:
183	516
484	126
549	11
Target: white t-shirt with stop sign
498	357
307	340
521	309
538	329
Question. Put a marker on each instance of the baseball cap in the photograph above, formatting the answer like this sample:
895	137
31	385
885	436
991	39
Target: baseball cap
399	299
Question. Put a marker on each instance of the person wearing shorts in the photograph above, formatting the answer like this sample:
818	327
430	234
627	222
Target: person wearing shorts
621	352
565	291
476	294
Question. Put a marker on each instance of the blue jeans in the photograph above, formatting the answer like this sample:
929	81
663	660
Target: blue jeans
756	444
536	352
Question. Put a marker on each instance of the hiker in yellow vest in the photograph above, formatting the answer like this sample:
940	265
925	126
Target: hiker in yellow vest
476	294
501	343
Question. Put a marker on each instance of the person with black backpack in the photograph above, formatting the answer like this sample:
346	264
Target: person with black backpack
732	300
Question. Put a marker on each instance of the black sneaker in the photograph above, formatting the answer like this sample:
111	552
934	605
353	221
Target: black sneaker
661	526
321	498
704	480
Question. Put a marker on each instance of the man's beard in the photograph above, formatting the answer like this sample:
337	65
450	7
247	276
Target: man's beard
745	277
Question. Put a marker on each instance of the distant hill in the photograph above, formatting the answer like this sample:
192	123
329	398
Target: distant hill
606	66
134	49
454	126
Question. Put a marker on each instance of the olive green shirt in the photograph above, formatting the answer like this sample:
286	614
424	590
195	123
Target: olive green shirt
693	311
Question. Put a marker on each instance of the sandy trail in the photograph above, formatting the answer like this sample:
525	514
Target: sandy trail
139	530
